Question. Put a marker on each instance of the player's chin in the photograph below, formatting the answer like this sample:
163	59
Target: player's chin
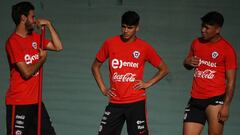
125	36
29	31
205	38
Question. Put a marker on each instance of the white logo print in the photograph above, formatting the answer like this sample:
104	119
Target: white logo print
19	122
208	63
136	54
119	64
140	122
100	128
29	59
34	45
107	113
128	77
21	117
140	127
219	102
185	116
214	55
208	74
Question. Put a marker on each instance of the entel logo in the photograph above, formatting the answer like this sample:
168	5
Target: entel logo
29	59
208	63
119	64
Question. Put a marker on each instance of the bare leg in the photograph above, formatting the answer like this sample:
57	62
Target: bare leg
214	126
191	128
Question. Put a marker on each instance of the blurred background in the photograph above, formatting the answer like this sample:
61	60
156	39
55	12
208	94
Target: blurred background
70	93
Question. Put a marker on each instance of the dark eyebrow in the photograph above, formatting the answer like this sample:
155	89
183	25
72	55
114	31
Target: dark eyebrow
205	25
130	27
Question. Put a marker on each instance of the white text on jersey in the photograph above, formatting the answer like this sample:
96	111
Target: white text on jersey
120	63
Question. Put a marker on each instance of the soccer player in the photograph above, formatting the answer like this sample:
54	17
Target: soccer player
25	59
127	55
215	63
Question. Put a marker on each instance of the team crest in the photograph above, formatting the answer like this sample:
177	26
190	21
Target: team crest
214	55
34	45
136	54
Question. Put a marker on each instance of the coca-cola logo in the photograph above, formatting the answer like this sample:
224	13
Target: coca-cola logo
128	77
120	63
208	74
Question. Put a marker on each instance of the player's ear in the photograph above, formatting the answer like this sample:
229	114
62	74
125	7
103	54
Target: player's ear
218	30
137	29
23	18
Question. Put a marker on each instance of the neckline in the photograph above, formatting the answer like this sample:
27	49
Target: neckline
126	43
211	43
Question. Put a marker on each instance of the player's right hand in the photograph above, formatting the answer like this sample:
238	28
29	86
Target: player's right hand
193	61
109	92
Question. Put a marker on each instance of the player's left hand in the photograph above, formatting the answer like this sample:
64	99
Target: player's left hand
140	85
223	113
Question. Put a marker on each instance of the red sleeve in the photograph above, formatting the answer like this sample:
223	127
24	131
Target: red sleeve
152	57
103	53
191	50
46	41
38	37
14	51
230	58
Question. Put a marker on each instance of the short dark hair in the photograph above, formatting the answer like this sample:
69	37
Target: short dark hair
130	18
213	18
21	8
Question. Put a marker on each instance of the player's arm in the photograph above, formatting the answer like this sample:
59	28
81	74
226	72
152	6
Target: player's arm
55	44
96	66
162	72
231	80
191	62
28	70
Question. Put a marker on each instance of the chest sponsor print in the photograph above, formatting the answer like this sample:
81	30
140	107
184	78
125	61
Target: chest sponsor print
128	77
118	64
205	74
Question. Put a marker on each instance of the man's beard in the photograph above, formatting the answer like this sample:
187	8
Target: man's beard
29	27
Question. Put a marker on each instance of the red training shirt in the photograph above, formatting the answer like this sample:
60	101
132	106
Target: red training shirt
126	64
209	77
19	49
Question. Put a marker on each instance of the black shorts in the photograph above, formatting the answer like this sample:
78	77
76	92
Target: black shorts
25	120
116	114
195	110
